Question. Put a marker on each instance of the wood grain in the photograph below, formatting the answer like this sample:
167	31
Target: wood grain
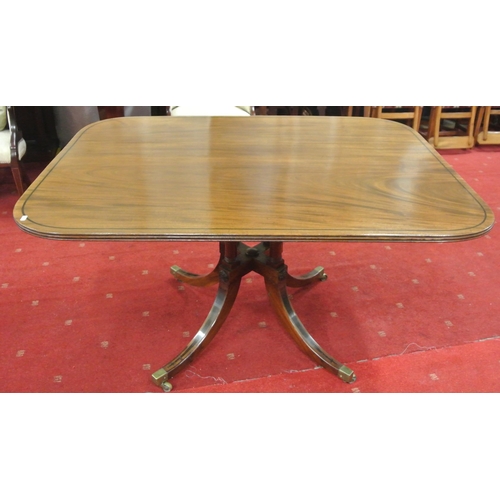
265	178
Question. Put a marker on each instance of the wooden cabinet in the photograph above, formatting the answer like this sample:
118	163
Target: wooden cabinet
37	124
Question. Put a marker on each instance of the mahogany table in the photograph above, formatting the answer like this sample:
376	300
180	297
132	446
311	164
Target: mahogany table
263	179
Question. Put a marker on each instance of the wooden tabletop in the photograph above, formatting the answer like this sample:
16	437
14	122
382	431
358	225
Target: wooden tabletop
265	178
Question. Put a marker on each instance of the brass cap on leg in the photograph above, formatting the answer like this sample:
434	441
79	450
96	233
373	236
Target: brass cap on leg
159	377
347	375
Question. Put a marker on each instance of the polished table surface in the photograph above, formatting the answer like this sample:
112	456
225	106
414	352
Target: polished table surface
287	178
270	179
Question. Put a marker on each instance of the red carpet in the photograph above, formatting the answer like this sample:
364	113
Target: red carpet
101	317
465	368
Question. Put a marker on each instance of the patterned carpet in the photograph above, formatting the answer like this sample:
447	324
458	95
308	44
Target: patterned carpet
102	317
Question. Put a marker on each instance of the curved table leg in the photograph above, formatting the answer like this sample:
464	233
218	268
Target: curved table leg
229	275
317	274
236	260
199	279
276	287
195	279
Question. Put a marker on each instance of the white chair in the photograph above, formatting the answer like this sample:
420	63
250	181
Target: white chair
12	148
210	110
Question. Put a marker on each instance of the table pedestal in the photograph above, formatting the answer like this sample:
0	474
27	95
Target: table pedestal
236	260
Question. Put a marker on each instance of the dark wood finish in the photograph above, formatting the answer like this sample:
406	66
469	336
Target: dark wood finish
296	110
107	112
236	260
39	132
158	110
251	179
16	166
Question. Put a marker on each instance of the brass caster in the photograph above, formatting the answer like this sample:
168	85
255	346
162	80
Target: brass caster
347	375
324	277
166	386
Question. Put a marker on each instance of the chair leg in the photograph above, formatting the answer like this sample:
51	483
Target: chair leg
417	117
486	125
437	125
18	180
470	128
21	178
479	121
